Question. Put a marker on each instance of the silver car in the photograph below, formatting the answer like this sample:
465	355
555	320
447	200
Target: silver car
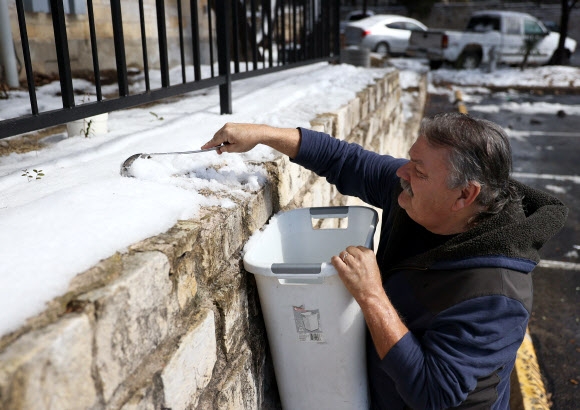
386	34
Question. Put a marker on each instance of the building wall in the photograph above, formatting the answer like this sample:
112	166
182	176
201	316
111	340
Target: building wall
175	322
43	51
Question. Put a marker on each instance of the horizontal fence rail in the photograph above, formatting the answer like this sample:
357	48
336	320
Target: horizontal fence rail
245	38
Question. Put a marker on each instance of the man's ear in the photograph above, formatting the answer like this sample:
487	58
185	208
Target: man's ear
467	196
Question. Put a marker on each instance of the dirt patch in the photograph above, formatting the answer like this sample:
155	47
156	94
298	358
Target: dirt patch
28	142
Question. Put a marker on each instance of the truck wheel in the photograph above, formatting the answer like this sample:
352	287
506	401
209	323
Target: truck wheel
469	60
435	64
382	48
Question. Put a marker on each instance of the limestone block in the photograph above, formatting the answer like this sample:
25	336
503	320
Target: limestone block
132	317
235	318
291	179
141	401
259	209
323	123
50	368
364	97
221	238
190	369
347	117
186	281
239	391
372	130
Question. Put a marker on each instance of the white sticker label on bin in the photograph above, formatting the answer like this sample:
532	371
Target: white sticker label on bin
308	325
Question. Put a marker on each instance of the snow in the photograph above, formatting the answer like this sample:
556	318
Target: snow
82	211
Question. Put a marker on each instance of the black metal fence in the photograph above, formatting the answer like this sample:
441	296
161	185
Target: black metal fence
253	37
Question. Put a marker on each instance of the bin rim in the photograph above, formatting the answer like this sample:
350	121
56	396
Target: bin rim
310	270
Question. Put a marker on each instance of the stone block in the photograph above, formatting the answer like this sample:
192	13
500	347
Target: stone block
323	123
190	369
133	315
221	236
235	318
347	117
291	179
240	390
259	209
50	368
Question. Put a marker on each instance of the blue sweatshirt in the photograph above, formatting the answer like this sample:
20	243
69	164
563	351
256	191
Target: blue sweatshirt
466	299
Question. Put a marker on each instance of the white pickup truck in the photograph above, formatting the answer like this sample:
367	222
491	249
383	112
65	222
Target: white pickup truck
491	36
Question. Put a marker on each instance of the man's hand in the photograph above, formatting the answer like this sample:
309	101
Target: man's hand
357	268
237	137
244	137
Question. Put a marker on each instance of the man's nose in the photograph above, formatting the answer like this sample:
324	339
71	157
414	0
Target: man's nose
402	172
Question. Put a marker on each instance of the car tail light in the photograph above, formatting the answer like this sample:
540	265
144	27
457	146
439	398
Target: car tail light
444	41
365	33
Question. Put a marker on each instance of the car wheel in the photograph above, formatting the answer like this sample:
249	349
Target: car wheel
469	60
382	48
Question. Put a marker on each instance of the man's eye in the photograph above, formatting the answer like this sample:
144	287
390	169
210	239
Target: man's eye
420	174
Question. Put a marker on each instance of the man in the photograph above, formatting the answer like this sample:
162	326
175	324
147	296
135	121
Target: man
448	295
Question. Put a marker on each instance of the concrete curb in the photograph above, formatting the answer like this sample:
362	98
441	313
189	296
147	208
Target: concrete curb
531	393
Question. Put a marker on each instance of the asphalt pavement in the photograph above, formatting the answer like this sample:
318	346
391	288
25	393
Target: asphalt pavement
546	155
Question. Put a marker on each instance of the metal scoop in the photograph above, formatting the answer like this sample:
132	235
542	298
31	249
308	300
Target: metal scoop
126	165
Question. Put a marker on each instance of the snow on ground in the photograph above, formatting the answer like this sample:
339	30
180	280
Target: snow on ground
81	210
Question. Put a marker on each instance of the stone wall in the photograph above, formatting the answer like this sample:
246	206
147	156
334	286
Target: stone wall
175	322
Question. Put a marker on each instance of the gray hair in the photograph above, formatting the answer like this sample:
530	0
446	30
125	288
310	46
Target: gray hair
479	151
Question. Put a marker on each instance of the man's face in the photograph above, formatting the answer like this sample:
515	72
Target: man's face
426	197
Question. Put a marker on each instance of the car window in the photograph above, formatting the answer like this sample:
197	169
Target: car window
481	24
531	27
356	17
398	25
413	27
512	25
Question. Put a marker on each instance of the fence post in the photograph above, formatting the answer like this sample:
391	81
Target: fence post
119	41
223	49
60	38
162	37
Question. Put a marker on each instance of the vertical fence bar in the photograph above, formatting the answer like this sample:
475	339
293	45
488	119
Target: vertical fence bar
223	41
336	29
263	30
195	40
181	48
209	8
246	38
303	25
144	46
162	37
324	46
283	36
268	12
235	36
294	39
62	56
94	51
26	55
253	35
119	40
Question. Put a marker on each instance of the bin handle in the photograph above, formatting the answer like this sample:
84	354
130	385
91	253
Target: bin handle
296	268
329	212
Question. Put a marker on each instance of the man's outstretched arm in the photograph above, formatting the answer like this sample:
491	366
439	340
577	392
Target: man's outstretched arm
244	137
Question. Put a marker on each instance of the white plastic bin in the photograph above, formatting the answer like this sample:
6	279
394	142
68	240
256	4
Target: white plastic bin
315	327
